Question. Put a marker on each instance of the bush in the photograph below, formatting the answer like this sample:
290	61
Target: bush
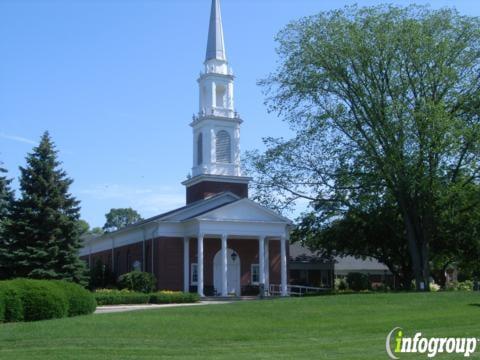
80	300
137	281
340	284
120	297
41	299
357	281
173	297
12	302
101	276
466	285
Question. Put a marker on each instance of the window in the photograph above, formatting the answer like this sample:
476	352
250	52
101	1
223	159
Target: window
129	261
220	92
255	274
223	146
200	149
194	274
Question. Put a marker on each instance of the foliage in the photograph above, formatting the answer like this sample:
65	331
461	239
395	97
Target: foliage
340	284
377	233
83	227
120	218
123	297
384	102
173	297
101	276
6	202
13	306
137	281
43	236
466	285
41	299
31	300
80	300
358	281
120	297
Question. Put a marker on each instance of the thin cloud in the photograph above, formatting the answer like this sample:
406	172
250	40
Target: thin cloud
18	139
148	201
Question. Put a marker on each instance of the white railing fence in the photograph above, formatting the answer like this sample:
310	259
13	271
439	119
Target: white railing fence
296	290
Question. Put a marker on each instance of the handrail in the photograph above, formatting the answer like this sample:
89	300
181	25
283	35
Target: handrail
296	290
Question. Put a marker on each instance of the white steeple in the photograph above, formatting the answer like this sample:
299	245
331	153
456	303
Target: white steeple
216	128
215	44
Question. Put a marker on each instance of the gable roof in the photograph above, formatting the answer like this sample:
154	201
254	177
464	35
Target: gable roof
242	210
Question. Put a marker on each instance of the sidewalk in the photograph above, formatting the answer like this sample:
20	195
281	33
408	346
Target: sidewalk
123	308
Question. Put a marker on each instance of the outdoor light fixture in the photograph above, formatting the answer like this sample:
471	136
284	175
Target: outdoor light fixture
234	256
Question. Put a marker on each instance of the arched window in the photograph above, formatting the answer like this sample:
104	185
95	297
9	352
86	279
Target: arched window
223	147
200	149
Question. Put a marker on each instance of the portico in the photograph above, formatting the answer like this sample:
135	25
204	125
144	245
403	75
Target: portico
230	254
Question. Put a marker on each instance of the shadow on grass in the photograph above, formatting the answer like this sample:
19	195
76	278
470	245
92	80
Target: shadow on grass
476	305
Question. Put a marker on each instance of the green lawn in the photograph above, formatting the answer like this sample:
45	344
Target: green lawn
329	327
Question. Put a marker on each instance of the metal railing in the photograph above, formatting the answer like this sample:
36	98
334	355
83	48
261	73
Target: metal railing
296	290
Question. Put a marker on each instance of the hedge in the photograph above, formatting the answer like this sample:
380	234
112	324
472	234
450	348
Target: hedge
41	299
13	306
125	297
30	300
120	297
80	300
173	297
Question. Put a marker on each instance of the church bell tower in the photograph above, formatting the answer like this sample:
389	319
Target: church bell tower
216	127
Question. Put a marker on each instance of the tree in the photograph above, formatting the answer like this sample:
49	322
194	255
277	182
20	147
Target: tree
43	230
119	218
6	196
83	227
6	201
378	233
384	102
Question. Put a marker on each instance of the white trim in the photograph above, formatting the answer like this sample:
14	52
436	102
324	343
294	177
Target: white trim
216	178
251	274
192	266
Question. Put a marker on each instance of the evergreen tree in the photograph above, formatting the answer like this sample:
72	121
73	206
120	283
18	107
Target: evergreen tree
43	231
6	201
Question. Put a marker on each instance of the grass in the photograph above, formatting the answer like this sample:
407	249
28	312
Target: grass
328	327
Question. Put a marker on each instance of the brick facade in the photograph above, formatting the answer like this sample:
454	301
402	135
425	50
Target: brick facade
168	259
206	189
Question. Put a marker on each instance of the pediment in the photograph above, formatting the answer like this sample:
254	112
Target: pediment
243	210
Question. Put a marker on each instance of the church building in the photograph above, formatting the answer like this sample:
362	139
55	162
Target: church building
221	242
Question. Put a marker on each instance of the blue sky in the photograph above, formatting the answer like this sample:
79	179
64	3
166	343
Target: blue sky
115	84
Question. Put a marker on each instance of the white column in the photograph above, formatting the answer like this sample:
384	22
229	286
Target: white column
267	267
261	259
283	265
186	264
200	264
224	266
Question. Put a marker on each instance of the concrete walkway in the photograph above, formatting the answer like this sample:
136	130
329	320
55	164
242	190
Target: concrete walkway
123	308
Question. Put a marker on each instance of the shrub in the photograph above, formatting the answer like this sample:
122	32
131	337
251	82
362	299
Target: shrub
42	299
120	297
12	301
137	281
466	285
357	281
101	276
80	300
173	297
340	284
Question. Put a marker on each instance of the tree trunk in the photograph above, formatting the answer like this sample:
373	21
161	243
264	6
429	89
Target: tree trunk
417	247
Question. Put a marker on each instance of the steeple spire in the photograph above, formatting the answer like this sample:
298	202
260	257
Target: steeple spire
215	45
